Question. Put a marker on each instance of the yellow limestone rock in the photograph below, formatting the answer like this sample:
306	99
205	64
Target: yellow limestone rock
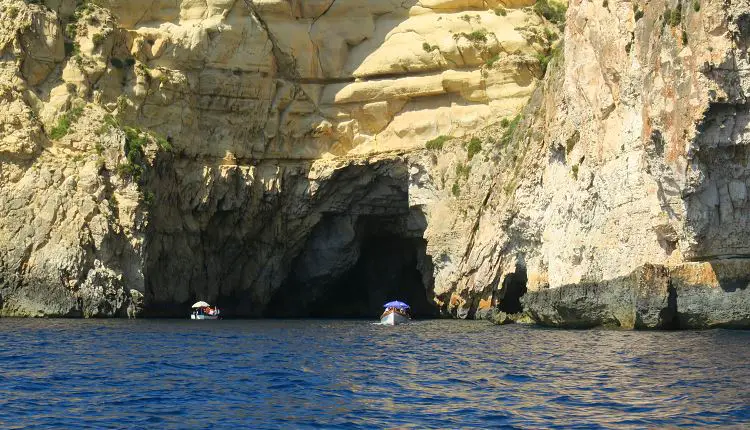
305	71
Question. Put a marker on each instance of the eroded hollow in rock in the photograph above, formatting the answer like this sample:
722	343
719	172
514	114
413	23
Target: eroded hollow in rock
328	243
514	287
353	264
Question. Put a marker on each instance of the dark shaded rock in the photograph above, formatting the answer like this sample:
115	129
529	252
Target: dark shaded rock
499	317
713	294
633	301
688	296
98	296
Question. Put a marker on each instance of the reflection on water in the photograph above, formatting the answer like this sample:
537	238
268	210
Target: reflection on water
322	373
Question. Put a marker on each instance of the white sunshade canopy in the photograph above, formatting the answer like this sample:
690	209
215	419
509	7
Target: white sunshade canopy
200	304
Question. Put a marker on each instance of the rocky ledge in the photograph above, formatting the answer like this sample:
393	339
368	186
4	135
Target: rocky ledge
688	296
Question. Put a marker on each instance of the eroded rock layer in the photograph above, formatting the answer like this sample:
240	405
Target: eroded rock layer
274	156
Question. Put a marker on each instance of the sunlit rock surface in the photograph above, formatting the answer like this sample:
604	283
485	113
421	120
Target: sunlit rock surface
265	154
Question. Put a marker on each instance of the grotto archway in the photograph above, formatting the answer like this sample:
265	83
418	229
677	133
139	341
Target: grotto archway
380	259
332	242
363	252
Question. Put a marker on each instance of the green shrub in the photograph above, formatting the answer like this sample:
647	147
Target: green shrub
83	8
462	171
135	141
549	34
546	57
552	12
477	36
491	61
110	120
501	11
675	17
129	171
574	171
12	12
511	130
475	145
97	39
149	198
544	60
64	122
71	49
144	71
684	37
638	14
427	48
504	122
437	143
456	189
697	6
163	143
71	30
113	204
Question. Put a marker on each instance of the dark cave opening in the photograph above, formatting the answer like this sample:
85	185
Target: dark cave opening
514	287
386	270
384	261
338	247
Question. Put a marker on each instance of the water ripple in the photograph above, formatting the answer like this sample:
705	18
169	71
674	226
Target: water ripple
353	374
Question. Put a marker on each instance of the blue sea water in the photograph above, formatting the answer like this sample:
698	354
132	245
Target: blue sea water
353	374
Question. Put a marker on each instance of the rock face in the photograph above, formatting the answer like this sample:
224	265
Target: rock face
226	149
637	175
281	157
691	295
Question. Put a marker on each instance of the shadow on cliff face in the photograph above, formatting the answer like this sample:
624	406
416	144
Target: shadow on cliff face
513	288
379	262
286	240
716	208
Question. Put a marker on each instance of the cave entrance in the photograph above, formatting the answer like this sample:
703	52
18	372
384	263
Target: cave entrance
352	265
514	287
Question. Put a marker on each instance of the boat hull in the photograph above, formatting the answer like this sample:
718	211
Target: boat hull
203	317
393	318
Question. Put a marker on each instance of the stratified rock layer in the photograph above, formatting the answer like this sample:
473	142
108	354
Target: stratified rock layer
264	154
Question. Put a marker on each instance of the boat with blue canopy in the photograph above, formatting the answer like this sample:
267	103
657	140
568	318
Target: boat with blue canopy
395	313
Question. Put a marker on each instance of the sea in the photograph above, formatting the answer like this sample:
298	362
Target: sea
348	374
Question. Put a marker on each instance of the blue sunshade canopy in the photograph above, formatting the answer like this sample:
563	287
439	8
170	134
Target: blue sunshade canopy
396	304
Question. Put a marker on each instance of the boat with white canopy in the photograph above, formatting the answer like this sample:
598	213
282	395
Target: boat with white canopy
204	311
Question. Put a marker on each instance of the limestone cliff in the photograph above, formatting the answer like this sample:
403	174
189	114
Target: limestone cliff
271	154
632	207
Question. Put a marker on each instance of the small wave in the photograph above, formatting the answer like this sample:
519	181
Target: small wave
345	374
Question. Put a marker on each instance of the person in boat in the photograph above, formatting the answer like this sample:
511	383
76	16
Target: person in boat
404	312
